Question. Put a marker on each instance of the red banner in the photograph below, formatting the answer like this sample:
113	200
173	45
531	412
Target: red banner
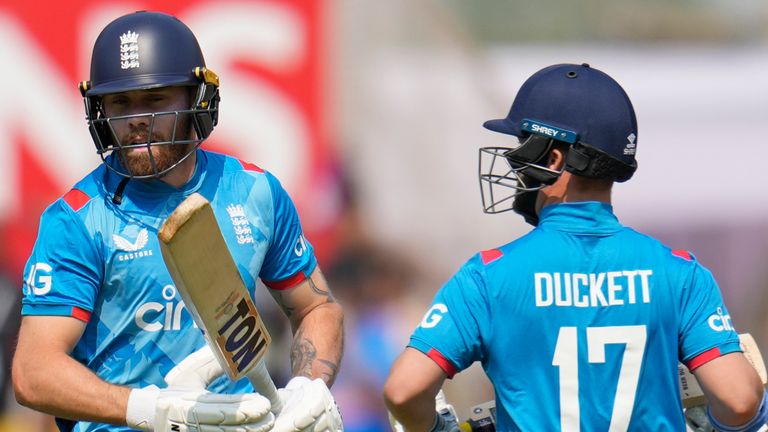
268	53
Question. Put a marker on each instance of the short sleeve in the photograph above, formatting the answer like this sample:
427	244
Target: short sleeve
290	258
706	330
455	325
64	271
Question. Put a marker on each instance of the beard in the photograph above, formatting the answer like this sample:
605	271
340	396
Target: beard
137	160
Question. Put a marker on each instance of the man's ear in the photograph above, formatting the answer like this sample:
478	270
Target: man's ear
556	160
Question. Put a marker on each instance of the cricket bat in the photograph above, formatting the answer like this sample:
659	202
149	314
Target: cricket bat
689	387
206	275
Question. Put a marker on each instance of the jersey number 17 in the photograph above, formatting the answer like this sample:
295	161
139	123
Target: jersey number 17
566	358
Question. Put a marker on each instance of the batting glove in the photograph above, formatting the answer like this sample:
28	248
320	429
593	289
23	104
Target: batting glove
308	406
186	406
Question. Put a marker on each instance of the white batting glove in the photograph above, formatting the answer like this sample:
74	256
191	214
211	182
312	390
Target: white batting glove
308	406
186	406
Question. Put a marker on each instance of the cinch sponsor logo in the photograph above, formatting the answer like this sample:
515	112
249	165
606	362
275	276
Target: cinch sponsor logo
301	246
719	321
133	249
155	316
40	280
434	315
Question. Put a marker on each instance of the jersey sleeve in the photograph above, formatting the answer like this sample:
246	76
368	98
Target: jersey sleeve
706	331
63	274
290	258
456	324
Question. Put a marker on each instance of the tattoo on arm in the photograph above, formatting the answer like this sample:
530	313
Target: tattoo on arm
316	290
328	376
303	355
281	301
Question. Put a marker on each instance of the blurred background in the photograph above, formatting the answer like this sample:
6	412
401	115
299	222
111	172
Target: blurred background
370	113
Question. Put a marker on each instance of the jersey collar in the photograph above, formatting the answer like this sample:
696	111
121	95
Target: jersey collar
588	217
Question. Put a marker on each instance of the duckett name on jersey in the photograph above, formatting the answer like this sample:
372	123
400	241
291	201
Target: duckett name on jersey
616	288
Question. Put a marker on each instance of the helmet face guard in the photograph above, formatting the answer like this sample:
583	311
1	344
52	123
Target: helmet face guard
507	173
190	128
143	51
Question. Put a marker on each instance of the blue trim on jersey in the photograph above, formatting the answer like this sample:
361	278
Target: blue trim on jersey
723	348
450	368
48	310
420	345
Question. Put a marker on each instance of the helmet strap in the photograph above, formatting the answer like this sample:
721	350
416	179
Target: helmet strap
587	161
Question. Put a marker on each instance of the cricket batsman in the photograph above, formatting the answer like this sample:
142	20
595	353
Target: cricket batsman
579	324
106	343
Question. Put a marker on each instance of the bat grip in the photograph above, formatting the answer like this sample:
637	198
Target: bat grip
263	384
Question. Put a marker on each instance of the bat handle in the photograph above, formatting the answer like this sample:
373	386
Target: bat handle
263	384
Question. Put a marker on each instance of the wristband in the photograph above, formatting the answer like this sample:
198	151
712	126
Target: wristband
140	412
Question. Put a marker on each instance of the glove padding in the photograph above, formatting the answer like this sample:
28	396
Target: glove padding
308	406
186	406
696	419
445	422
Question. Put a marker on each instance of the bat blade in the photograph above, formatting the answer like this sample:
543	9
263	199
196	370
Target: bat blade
213	291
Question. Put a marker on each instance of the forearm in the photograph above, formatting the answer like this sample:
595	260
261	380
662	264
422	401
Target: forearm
416	414
733	388
58	385
318	343
410	390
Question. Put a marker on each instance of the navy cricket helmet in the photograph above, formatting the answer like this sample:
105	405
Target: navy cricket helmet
141	51
577	105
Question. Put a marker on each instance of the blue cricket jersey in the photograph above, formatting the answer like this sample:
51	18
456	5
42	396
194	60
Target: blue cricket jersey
101	263
580	324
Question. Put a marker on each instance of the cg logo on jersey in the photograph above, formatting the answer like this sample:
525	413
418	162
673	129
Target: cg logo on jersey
40	279
434	315
719	322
